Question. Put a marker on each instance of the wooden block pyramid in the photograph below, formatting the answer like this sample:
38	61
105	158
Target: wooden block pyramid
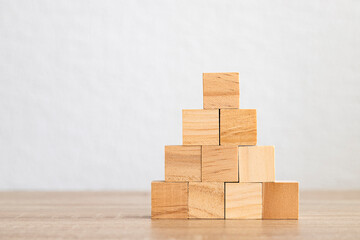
219	172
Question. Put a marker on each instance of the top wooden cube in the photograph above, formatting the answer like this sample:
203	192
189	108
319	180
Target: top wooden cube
221	90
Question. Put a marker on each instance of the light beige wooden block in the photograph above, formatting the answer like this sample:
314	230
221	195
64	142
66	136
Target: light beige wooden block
243	200
200	127
182	163
256	164
206	200
281	200
221	90
238	127
220	164
169	200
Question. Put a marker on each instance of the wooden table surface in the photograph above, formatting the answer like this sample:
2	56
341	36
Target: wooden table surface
119	215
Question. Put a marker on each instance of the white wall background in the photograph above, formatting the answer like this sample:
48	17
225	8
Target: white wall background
91	91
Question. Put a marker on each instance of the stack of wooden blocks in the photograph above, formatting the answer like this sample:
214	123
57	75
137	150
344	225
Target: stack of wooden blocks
219	172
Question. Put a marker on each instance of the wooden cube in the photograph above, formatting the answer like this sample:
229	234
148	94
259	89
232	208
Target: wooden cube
206	200
238	127
221	90
220	164
256	164
200	127
281	200
243	200
182	163
169	200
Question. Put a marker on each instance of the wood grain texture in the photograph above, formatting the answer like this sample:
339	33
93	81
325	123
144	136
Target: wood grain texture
206	200
324	215
182	163
221	90
243	200
200	127
256	164
169	200
281	200
220	164
238	127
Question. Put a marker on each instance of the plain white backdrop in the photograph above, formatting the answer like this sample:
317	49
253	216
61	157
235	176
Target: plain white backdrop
91	91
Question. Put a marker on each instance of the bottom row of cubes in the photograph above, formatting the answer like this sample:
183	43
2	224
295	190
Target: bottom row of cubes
218	200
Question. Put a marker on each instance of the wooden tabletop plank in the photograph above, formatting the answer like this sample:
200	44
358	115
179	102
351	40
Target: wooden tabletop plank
126	215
